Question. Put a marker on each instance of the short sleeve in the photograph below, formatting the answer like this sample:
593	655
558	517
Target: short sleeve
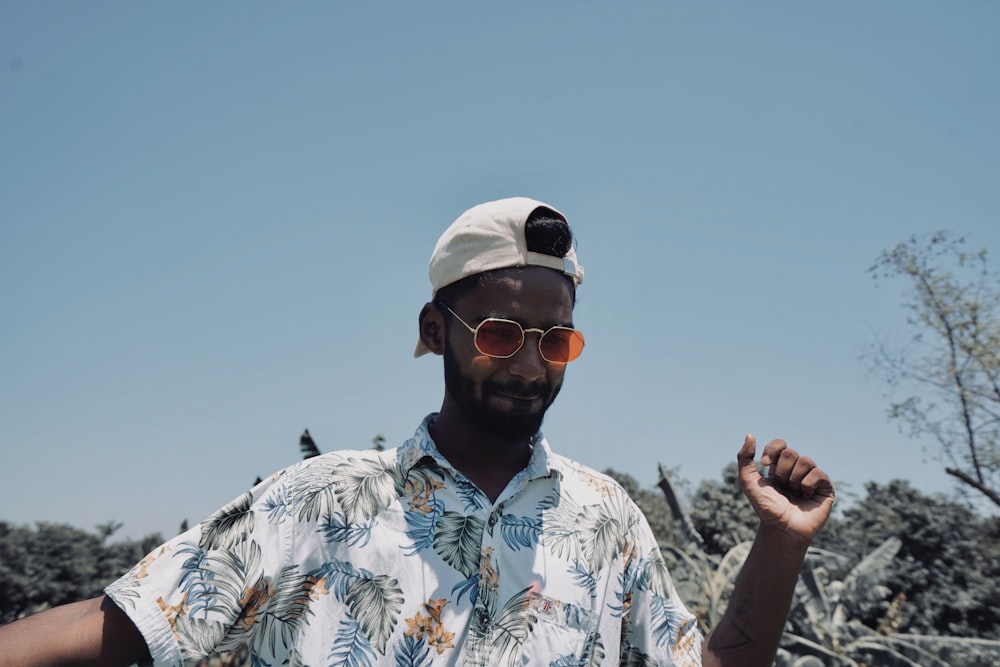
204	591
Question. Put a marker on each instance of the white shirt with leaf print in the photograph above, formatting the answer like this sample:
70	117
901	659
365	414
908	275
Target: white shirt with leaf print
364	558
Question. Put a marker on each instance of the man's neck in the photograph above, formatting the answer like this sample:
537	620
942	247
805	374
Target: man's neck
488	460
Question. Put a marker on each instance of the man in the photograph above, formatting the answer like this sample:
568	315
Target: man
472	543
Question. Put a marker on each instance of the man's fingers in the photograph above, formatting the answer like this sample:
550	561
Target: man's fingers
772	451
782	465
803	466
817	483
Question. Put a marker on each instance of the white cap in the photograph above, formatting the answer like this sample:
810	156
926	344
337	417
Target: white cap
488	237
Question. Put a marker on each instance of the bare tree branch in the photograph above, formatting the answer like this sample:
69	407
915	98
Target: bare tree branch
989	493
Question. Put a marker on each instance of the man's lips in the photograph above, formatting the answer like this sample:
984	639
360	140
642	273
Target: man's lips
520	392
519	397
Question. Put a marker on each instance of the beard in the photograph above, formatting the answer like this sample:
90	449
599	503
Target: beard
512	424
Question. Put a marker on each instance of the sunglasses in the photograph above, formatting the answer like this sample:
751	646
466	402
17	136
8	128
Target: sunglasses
501	339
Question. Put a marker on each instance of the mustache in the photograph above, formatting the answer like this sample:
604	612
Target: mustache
520	389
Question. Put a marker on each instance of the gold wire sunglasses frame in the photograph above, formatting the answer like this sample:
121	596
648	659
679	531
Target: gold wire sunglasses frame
501	339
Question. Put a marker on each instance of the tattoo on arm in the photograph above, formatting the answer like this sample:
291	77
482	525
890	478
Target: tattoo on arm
732	633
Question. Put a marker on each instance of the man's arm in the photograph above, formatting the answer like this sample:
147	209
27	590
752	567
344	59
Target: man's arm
91	632
792	503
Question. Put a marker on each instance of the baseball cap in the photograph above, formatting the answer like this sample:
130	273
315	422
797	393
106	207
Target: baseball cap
488	237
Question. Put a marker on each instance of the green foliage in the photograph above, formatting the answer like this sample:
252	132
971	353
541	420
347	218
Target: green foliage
721	514
52	564
948	565
831	596
900	578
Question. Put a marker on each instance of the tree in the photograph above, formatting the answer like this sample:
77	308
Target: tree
824	626
900	579
307	445
52	564
949	373
721	514
947	565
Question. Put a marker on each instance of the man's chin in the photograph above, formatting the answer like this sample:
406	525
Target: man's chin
515	425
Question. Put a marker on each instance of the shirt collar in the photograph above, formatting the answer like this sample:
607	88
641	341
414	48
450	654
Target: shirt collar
421	446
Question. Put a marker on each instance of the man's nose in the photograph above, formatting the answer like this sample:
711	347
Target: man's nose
527	362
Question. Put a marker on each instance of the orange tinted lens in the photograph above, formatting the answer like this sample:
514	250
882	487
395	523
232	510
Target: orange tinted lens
499	338
561	345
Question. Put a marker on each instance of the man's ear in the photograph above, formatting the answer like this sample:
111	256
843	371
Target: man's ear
432	328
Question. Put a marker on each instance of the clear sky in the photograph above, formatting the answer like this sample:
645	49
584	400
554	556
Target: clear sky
215	221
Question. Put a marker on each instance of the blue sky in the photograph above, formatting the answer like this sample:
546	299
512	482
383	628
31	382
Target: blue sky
215	221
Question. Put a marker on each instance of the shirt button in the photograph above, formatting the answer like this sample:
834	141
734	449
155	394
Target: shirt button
484	618
492	520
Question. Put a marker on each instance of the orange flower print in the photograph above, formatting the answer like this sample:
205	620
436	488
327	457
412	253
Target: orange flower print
254	599
434	608
143	566
421	493
488	576
600	485
172	611
314	587
686	647
441	640
429	628
419	626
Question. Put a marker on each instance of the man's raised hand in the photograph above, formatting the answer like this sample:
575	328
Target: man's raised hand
795	497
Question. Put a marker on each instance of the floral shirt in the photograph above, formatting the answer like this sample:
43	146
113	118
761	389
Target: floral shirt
395	558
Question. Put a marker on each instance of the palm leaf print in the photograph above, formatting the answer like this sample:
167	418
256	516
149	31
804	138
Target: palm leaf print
366	487
665	620
289	609
457	539
229	525
198	638
623	593
233	573
520	532
468	586
583	578
196	582
125	590
311	490
216	581
470	495
512	626
560	531
567	661
601	536
411	652
420	526
338	576
351	647
277	509
593	650
336	529
376	604
656	576
633	657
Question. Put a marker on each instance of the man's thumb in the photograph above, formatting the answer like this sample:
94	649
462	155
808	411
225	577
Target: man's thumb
745	461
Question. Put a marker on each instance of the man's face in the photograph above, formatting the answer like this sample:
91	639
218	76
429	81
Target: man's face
507	397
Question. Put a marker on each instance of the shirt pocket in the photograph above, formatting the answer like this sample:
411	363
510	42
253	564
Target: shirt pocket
563	634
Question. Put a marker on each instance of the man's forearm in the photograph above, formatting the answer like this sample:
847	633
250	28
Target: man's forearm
751	628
